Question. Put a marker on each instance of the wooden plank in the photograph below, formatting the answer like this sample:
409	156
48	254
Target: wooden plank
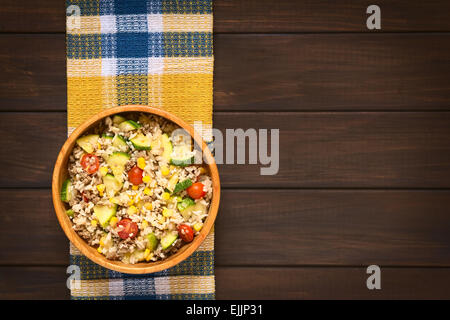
283	72
317	150
32	16
348	150
33	283
261	16
352	227
29	221
33	141
332	72
32	72
328	16
260	283
272	227
330	283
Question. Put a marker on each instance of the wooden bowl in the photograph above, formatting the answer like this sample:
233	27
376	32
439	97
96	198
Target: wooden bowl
60	174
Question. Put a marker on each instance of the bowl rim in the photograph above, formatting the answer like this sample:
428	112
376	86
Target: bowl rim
90	252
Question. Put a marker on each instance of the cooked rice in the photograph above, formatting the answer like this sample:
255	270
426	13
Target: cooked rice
132	250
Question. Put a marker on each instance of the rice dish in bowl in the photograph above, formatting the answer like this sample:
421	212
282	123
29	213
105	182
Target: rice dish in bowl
133	189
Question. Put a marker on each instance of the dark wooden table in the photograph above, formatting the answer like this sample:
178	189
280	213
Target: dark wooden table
365	148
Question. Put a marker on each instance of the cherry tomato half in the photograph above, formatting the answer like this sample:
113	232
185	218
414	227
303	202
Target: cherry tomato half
90	163
185	232
196	190
129	228
135	175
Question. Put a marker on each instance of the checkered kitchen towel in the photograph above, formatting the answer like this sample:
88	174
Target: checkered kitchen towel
147	52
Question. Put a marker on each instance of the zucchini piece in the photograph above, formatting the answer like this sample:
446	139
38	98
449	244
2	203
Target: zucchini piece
104	213
117	162
88	142
112	185
185	203
167	145
168	240
120	143
172	182
141	142
199	206
176	199
180	186
138	255
105	136
118	119
129	125
182	163
182	155
67	191
152	242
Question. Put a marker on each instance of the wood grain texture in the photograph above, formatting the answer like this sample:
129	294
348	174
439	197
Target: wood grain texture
332	72
328	16
317	150
35	140
39	240
320	239
267	72
260	283
32	72
348	150
37	282
330	283
305	227
261	16
32	16
352	227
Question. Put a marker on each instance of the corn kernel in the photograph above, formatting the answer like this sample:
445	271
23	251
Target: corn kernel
114	200
141	163
132	210
113	222
149	257
144	224
165	171
167	212
94	223
102	241
166	196
101	189
146	252
131	202
172	167
198	226
162	219
103	171
202	170
99	146
100	249
135	188
146	179
148	206
148	191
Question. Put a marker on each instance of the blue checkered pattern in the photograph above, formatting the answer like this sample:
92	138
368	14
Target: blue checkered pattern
147	52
